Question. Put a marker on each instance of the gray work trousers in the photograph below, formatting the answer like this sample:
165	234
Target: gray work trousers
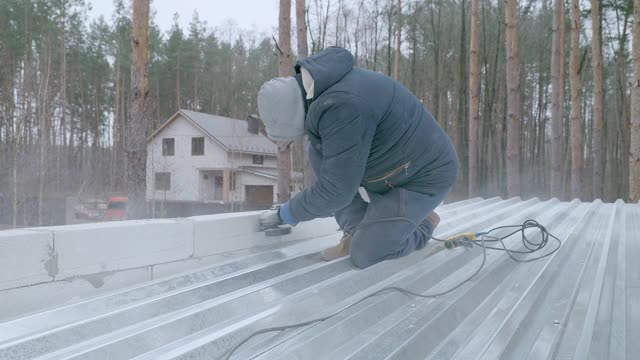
376	235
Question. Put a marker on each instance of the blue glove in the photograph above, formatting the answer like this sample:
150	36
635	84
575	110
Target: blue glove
285	214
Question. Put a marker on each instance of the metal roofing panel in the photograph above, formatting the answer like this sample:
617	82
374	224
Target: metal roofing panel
583	302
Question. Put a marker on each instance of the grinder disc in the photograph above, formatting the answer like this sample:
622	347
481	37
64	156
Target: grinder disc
278	231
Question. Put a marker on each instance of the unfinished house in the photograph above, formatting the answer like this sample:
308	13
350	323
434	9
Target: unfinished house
201	158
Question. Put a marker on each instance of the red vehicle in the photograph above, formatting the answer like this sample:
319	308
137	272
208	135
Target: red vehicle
116	208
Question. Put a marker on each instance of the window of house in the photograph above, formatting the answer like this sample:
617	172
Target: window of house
197	146
163	181
258	159
168	147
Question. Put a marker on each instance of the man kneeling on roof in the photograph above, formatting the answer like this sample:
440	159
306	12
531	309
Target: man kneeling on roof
365	129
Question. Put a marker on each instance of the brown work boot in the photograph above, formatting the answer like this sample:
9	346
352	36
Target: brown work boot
340	250
434	219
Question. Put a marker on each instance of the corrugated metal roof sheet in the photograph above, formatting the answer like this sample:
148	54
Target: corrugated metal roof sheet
583	302
232	133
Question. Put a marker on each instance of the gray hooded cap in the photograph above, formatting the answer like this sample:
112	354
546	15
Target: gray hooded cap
281	109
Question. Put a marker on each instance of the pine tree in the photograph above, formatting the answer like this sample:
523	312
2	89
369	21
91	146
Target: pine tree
634	147
474	92
596	51
136	145
513	100
284	69
398	53
577	157
557	96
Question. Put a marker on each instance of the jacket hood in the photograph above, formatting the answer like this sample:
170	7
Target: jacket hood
327	67
281	107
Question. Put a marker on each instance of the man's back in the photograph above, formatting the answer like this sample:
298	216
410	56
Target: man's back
407	141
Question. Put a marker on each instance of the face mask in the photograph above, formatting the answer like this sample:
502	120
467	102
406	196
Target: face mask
307	82
281	109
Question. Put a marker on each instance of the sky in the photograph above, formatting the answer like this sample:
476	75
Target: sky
257	15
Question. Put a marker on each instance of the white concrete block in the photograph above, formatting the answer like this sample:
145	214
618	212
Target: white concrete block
95	248
21	301
26	257
215	234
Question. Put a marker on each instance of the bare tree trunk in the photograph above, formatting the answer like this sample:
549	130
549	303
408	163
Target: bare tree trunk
72	124
284	39
513	100
624	118
322	24
577	158
347	34
389	35
301	29
624	101
557	96
492	129
501	136
356	33
459	126
196	70
396	66
59	150
337	34
14	202
116	127
596	141
157	121
178	96
437	96
123	138
303	52
63	75
376	35
136	147
542	158
43	95
284	171
19	142
284	69
413	30
474	92
566	156
634	146
454	124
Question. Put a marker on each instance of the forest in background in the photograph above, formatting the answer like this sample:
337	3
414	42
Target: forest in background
65	83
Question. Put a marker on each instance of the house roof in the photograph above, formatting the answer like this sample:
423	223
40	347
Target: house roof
232	134
582	302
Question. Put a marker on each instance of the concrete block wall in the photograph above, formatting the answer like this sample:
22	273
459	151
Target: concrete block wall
94	248
52	266
26	257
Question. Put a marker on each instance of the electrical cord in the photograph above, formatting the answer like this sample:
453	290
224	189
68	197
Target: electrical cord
530	246
483	237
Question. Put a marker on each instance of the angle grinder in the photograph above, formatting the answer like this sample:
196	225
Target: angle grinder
275	229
